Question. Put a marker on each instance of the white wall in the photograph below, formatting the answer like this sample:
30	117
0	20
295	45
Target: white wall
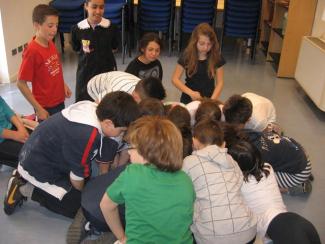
17	29
319	25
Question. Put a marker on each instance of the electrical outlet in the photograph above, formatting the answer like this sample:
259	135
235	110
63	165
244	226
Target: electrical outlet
14	52
20	49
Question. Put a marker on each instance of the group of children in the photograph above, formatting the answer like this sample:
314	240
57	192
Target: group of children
168	173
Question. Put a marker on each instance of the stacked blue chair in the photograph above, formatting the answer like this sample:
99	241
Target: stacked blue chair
241	20
194	12
70	13
116	11
156	16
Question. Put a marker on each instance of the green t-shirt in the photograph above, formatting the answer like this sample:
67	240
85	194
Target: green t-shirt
159	205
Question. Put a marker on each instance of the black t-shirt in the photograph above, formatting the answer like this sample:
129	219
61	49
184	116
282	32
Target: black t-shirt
200	81
142	70
283	153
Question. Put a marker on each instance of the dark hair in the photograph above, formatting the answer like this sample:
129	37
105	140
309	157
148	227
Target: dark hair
182	119
178	115
119	107
237	109
41	11
150	87
249	160
158	141
208	109
149	37
151	106
232	133
208	132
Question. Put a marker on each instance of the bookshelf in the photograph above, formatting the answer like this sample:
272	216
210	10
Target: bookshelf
281	47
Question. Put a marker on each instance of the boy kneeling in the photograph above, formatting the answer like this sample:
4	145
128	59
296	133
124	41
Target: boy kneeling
55	160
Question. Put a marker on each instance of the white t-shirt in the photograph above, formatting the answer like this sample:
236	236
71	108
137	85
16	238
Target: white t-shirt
263	112
112	81
194	105
264	199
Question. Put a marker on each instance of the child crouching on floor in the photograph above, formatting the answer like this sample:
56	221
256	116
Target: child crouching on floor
288	158
262	195
158	196
220	213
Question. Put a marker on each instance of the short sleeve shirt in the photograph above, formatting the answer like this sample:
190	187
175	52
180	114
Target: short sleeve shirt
42	67
155	200
200	81
142	70
5	116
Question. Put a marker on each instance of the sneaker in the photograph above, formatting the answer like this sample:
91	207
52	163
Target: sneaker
13	197
104	238
77	232
303	188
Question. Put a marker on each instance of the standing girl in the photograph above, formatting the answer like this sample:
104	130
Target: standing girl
94	39
202	63
147	64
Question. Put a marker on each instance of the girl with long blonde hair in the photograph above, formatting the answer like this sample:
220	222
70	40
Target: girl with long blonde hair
203	65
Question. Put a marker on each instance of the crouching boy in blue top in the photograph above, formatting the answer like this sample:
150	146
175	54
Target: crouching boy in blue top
55	161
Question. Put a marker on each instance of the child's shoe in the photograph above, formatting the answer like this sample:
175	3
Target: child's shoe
13	196
303	188
77	232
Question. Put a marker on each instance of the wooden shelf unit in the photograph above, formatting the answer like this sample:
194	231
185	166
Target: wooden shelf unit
283	48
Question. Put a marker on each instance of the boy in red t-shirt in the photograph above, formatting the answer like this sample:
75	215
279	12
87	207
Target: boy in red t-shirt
41	66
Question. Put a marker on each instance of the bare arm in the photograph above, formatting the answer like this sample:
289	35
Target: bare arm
78	184
21	135
220	82
103	167
67	91
176	79
41	113
112	217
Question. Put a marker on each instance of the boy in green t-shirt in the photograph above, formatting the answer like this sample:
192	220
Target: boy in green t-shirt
158	196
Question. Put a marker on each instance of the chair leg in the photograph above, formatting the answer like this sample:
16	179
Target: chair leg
129	45
253	51
62	41
123	36
169	45
221	39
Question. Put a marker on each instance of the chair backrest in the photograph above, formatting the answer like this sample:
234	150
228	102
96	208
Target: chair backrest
195	12
241	18
155	15
113	11
115	1
70	13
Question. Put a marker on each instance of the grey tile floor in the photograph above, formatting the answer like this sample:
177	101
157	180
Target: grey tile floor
295	113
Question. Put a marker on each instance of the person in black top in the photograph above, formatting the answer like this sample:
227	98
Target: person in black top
147	64
94	39
289	160
203	65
